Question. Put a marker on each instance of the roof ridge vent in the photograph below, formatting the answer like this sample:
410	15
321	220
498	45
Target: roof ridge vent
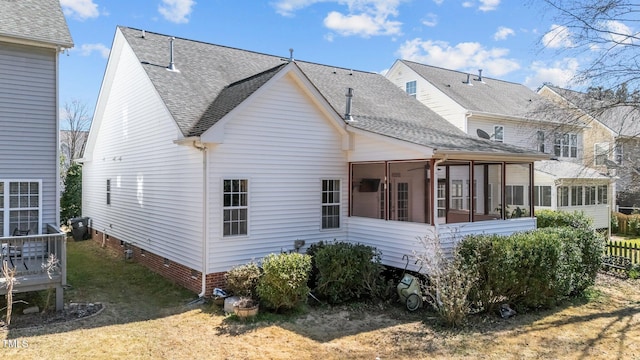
172	65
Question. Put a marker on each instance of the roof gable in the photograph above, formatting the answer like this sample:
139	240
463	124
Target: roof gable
34	20
491	96
212	80
620	118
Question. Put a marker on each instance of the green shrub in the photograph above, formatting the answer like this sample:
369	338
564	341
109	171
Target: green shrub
283	284
532	269
243	279
615	224
347	271
633	225
551	218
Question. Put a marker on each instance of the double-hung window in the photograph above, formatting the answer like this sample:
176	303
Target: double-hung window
330	204
563	196
602	194
498	133
542	196
566	145
457	200
540	141
514	195
619	155
410	88
235	207
590	195
20	207
600	153
576	195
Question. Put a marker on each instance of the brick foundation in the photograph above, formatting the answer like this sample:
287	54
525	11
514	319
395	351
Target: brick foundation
184	276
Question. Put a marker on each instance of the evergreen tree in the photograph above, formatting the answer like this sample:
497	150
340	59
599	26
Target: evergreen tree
71	200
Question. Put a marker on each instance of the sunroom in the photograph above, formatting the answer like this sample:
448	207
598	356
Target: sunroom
393	204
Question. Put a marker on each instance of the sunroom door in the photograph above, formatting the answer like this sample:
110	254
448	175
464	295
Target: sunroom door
400	196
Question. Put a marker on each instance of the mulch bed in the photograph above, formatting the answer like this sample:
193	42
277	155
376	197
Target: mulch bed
71	312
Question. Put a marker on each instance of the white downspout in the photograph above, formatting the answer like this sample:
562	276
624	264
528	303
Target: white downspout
205	217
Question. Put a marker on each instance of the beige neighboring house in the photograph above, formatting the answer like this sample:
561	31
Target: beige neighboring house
511	113
611	143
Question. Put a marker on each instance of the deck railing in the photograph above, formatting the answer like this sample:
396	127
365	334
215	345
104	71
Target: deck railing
29	256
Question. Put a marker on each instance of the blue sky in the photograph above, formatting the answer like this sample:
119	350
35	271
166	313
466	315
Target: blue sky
502	37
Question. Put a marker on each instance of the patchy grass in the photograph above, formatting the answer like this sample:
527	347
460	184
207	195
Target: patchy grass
146	318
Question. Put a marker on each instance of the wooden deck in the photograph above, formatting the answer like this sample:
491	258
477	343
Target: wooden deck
29	255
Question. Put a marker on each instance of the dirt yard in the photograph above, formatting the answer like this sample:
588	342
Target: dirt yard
607	326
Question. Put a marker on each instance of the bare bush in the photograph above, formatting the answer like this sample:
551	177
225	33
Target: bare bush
449	281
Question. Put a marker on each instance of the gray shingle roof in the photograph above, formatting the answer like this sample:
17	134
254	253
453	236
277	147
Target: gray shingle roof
567	170
492	96
213	79
622	119
37	20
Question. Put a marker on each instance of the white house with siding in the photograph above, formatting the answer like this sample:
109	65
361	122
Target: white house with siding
206	157
509	113
32	35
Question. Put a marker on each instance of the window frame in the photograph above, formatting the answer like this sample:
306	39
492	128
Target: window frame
566	145
495	133
573	199
602	196
563	197
540	140
540	194
413	85
618	151
232	209
6	208
336	195
108	191
600	151
510	193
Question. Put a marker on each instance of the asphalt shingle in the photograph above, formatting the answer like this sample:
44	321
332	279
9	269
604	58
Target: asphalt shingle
36	20
212	79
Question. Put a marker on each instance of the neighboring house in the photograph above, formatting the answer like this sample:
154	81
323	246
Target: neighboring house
503	112
216	156
32	35
611	141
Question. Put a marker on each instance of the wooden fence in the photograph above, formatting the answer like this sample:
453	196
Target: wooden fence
630	251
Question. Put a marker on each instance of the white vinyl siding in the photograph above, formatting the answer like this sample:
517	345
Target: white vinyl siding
156	185
284	145
28	124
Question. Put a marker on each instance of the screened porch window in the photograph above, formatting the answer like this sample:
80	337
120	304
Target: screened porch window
20	207
462	191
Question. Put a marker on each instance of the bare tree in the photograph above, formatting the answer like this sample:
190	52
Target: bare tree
75	123
604	32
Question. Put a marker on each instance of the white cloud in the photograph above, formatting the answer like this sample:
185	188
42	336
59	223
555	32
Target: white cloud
503	33
288	7
488	5
559	73
176	11
620	32
430	20
485	5
88	49
438	2
363	25
364	17
80	9
463	56
558	36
